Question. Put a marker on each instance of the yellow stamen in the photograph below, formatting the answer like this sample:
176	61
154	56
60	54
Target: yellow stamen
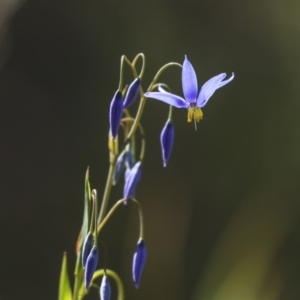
194	113
198	114
190	115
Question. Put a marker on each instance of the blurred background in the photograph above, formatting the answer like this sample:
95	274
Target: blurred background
223	219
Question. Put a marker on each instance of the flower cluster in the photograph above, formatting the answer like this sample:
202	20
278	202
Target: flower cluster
124	161
193	101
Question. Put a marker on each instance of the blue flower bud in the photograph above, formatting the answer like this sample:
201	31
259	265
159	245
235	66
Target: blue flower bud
127	172
90	266
87	247
105	289
132	92
166	141
129	158
138	263
120	166
115	113
131	180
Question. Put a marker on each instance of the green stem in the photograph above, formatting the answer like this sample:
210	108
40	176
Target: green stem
106	192
95	202
142	132
170	112
78	279
113	275
114	208
125	59
142	56
160	71
143	98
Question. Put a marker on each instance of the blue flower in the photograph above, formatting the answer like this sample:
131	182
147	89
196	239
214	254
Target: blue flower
105	289
166	141
192	100
138	263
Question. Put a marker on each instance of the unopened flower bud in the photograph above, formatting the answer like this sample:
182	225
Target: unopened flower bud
115	113
138	263
129	163
166	141
132	92
90	267
87	247
105	290
132	178
120	166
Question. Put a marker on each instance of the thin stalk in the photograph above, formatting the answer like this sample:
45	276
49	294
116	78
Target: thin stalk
110	273
170	112
78	279
95	200
142	56
143	98
114	208
106	192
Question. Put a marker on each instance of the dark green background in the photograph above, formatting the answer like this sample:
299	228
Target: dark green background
222	221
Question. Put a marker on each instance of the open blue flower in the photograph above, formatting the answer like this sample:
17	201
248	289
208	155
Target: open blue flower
192	100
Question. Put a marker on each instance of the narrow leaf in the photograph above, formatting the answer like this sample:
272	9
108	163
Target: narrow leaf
86	211
64	283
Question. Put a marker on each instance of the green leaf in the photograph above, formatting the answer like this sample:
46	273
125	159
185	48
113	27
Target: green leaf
65	292
86	213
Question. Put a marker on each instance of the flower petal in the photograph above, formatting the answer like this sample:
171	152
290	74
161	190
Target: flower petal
160	89
168	98
210	86
189	82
